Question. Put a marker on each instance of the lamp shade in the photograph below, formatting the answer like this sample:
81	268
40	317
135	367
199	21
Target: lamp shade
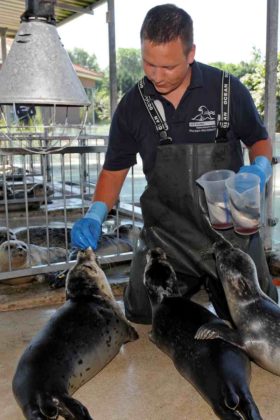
38	69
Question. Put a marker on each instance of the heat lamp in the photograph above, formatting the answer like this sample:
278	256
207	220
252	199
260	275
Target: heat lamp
40	91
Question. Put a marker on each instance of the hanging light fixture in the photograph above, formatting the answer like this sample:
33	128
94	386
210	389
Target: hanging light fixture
38	69
40	92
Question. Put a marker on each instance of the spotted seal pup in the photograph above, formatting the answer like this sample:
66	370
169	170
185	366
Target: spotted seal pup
22	256
6	234
37	195
36	191
255	315
57	235
5	191
84	335
217	369
122	239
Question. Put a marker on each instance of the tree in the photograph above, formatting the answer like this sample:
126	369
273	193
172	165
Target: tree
102	98
255	82
129	68
83	58
252	74
237	70
129	71
241	69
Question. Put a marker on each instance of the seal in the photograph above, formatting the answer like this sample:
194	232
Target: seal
14	173
58	236
37	195
255	315
121	240
83	335
5	190
17	255
6	234
217	369
36	191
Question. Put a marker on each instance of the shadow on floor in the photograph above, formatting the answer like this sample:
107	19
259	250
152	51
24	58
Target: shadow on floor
141	383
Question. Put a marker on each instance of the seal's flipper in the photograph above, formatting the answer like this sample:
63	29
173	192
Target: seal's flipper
231	399
228	414
33	412
212	330
248	408
241	401
69	408
133	334
48	406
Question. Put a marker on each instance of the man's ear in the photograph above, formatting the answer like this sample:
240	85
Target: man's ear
191	54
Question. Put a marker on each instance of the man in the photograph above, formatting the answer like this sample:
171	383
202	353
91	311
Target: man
184	118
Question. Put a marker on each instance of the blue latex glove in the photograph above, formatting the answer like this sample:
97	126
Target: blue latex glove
86	231
261	167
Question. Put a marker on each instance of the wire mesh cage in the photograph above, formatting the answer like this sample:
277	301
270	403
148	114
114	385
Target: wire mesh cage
42	195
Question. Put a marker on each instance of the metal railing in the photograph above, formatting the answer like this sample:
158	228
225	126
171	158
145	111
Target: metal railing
65	178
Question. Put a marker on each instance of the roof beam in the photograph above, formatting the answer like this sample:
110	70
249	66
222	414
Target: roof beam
3	32
92	7
80	10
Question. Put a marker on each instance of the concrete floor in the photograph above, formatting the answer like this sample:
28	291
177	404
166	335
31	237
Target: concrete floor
141	383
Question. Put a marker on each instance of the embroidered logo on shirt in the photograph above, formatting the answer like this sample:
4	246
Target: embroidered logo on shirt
204	121
204	114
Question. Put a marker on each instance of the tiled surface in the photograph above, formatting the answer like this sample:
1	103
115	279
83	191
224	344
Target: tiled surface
141	383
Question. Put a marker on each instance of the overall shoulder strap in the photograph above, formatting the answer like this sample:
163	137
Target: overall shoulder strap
160	124
223	118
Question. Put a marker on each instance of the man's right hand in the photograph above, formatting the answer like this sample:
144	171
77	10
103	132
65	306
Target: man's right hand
86	231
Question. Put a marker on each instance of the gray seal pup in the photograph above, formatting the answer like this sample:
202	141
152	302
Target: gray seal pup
6	234
218	370
5	191
36	195
255	315
121	240
58	236
82	336
17	255
36	191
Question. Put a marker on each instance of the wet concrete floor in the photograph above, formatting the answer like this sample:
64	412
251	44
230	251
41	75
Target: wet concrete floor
141	383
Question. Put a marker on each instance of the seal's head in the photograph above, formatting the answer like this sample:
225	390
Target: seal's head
236	269
6	235
86	278
5	191
159	276
16	252
39	190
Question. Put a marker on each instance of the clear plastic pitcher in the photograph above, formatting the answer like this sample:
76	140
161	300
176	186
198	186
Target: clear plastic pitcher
245	202
217	198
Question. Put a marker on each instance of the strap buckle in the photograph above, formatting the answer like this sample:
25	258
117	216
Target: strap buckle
164	138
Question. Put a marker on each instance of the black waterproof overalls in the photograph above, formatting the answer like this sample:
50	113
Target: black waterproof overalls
176	219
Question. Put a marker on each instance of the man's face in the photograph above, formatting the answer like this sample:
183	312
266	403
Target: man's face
166	65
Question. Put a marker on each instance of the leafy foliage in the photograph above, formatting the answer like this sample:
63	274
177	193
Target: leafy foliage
129	71
252	75
83	58
129	68
102	98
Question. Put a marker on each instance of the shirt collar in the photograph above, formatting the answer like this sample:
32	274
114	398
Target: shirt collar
196	81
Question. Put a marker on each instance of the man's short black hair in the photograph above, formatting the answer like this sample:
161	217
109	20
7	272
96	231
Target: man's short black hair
166	23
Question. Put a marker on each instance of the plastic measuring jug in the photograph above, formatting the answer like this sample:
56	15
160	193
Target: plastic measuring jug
245	202
217	198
